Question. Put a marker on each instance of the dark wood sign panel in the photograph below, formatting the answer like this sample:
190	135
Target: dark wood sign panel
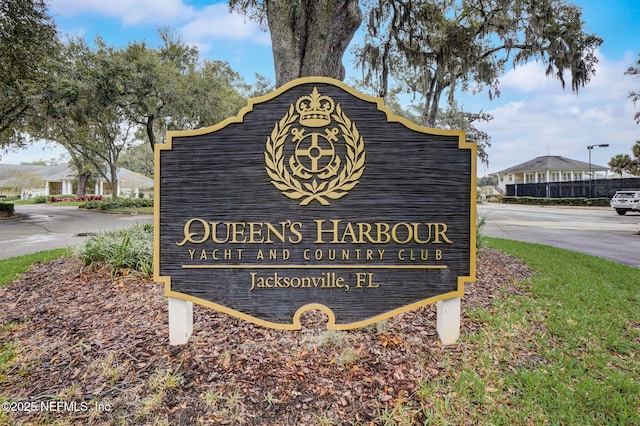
315	197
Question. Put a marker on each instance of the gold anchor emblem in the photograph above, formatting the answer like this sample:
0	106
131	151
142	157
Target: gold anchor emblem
315	170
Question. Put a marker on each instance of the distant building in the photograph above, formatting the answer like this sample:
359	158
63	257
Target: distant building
550	168
34	180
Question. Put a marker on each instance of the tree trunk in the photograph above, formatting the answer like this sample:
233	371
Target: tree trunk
113	172
81	190
150	134
310	37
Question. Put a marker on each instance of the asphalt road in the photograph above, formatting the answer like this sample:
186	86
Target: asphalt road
598	231
44	227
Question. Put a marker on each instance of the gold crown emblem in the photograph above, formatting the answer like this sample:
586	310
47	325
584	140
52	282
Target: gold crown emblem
315	110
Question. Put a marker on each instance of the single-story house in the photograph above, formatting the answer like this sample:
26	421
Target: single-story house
550	168
29	180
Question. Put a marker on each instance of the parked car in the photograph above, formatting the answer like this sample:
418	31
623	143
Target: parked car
626	201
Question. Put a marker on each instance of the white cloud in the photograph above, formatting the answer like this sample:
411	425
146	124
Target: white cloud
216	23
526	78
129	12
199	27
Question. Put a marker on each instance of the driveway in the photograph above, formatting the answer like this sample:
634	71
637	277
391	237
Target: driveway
44	227
596	231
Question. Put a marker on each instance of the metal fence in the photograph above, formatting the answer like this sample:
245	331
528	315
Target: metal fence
597	188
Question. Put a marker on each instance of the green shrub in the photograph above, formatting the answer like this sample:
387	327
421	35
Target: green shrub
123	251
63	198
117	203
539	201
40	199
6	210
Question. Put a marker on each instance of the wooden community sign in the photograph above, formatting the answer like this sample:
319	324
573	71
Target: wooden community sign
315	197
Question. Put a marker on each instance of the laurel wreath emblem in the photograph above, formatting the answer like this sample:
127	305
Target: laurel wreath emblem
333	189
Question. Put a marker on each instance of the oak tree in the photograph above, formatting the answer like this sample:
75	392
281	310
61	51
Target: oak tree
87	116
430	46
169	88
28	48
433	47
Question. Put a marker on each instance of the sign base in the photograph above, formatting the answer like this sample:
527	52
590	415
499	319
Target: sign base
181	320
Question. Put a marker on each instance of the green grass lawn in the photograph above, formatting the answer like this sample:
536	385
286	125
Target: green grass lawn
132	210
564	352
12	267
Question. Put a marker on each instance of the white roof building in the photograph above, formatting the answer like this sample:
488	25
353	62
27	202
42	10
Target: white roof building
34	180
549	168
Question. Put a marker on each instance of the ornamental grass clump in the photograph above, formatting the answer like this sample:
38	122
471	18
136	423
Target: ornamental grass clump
124	251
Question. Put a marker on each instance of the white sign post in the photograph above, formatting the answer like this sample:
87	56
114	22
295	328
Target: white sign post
180	321
448	320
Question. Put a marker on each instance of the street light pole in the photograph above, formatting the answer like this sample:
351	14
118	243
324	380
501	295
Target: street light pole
590	148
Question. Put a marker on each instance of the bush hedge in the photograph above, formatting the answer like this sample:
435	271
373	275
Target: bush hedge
6	210
595	202
60	198
117	203
10	198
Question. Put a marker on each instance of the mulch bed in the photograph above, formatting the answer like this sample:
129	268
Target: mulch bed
82	339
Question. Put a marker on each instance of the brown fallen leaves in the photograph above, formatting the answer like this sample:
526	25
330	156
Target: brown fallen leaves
102	349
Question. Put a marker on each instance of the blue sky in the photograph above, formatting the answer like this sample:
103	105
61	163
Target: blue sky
532	117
